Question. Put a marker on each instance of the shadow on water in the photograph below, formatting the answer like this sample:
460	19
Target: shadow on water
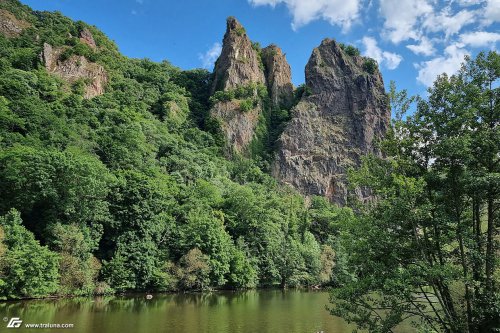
222	312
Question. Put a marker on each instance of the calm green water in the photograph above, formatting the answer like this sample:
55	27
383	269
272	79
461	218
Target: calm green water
220	312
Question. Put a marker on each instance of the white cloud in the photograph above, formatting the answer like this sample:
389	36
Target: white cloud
469	2
449	64
208	59
439	33
492	11
337	12
408	19
140	2
425	47
480	38
448	22
384	58
401	17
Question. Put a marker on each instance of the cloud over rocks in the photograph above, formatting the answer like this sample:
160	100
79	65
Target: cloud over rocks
438	34
337	12
208	58
387	59
492	12
425	47
401	18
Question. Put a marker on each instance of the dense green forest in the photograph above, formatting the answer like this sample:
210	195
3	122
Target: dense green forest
131	191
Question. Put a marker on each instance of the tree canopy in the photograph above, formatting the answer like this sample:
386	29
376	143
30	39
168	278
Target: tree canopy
426	249
130	190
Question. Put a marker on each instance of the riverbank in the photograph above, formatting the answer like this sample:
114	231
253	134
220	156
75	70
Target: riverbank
265	310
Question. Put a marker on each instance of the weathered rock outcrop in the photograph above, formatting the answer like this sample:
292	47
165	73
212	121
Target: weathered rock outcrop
238	63
278	76
339	118
237	125
75	68
86	37
241	65
238	66
10	26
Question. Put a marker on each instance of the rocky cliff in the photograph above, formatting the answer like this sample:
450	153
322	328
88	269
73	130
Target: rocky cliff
278	76
242	65
238	65
338	120
10	26
86	37
75	68
342	113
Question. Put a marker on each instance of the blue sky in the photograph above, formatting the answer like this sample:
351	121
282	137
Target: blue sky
413	40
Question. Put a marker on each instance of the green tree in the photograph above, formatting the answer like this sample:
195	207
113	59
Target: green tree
194	270
327	264
137	264
137	237
78	268
28	269
326	219
243	270
425	249
370	66
50	187
204	229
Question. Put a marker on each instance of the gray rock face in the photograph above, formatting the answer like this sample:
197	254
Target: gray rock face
238	63
10	26
74	68
87	38
278	76
333	126
238	126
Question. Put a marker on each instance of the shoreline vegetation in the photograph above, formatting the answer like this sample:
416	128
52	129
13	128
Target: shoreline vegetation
151	295
129	188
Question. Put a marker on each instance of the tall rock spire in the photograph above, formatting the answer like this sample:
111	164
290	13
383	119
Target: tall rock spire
278	76
239	63
239	67
342	113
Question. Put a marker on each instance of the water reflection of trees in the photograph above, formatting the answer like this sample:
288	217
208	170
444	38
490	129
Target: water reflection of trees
138	303
221	311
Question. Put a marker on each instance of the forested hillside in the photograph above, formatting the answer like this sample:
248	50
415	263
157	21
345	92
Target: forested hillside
130	189
121	174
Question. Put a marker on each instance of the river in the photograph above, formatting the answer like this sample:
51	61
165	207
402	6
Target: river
259	311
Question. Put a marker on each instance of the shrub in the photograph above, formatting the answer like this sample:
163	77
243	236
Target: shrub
251	90
351	50
370	66
240	31
222	96
256	46
302	90
78	268
66	54
246	105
